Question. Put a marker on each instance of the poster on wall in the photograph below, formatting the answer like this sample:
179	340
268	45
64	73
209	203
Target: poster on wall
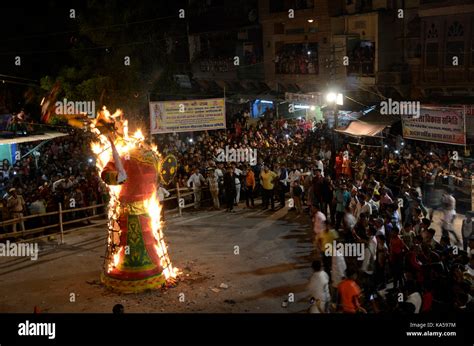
442	125
187	115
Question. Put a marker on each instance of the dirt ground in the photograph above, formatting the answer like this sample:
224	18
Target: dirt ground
275	253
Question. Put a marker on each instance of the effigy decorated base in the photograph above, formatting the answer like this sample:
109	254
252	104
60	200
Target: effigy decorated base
133	286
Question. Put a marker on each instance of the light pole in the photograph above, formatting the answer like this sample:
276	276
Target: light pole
335	99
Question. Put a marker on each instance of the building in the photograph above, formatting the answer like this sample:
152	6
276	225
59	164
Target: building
370	49
296	43
225	54
447	41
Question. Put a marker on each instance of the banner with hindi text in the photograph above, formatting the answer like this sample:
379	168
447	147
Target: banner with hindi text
187	115
443	125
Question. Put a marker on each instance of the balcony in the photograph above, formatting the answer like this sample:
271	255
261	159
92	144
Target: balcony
443	3
215	68
390	78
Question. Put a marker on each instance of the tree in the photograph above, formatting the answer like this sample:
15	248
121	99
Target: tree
122	50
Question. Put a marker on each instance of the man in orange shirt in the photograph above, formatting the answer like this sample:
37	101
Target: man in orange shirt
249	186
349	293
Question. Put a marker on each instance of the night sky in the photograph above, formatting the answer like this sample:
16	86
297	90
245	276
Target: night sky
39	34
42	33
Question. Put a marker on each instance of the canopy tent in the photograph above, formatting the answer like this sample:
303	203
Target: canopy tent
32	138
370	125
358	129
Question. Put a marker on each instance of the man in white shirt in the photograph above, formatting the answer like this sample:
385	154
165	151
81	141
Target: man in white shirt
349	220
379	226
238	175
320	165
338	269
319	221
319	289
162	194
467	230
449	214
294	175
413	296
362	207
368	263
197	180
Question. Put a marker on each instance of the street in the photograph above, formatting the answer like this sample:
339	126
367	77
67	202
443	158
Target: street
260	256
273	260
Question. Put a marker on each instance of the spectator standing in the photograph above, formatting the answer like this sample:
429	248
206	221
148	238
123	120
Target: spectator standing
467	230
230	189
196	180
319	289
16	206
268	178
249	187
213	182
349	294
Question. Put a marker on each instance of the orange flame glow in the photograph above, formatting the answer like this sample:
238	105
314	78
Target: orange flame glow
103	152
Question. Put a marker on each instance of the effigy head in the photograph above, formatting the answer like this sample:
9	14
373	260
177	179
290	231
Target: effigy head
111	124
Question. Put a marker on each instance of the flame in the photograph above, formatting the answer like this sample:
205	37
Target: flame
153	208
103	152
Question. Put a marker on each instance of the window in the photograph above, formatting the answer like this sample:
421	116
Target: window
431	45
278	28
362	58
297	58
295	31
454	49
455	44
431	54
285	5
360	24
472	52
432	32
277	6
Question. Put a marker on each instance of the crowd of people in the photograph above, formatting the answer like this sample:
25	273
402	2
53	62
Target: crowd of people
61	171
362	59
379	200
296	59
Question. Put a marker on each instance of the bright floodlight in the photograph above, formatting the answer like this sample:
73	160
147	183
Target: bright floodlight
310	20
331	97
312	108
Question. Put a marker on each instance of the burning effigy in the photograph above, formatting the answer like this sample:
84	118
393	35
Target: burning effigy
137	257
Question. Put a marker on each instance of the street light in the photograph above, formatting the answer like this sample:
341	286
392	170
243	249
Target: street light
336	99
331	97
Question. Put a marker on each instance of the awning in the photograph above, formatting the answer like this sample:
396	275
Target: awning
357	128
32	138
